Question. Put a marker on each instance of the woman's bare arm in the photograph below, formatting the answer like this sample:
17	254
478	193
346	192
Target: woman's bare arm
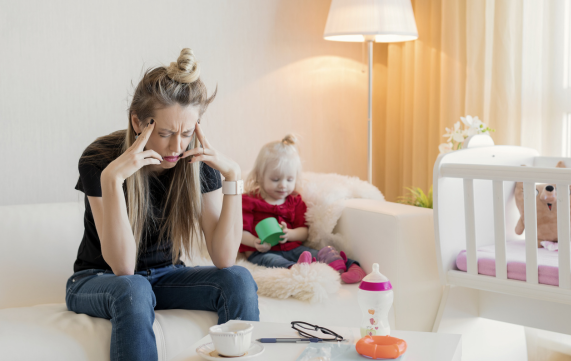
110	211
117	240
222	226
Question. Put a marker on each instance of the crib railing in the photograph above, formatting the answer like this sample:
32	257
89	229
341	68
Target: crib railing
561	177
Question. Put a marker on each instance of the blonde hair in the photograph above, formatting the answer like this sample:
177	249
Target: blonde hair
161	87
279	154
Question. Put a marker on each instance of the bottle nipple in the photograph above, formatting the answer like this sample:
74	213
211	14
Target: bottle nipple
375	276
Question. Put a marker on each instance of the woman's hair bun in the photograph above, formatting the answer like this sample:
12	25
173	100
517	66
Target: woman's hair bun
186	69
289	139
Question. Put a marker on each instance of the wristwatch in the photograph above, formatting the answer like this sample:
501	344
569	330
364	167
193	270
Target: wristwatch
233	187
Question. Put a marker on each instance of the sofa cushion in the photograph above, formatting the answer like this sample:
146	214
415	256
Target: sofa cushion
340	309
40	243
51	332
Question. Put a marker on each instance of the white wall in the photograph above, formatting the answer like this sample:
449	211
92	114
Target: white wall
67	69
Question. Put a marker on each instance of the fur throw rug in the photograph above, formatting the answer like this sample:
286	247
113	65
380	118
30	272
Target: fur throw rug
306	282
325	196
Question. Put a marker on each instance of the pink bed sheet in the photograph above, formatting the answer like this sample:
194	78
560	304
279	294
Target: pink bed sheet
547	262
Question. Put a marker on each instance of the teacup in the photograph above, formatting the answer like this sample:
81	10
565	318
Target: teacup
232	339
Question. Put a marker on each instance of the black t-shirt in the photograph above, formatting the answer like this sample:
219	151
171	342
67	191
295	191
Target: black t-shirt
151	254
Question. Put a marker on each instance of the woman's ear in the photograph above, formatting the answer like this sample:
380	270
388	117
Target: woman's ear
136	123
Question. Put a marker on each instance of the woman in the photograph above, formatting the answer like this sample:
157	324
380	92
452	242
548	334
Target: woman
152	193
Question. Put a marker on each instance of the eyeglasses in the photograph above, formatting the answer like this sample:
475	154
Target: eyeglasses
301	328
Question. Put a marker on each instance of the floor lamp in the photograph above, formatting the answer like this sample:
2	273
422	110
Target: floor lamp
381	21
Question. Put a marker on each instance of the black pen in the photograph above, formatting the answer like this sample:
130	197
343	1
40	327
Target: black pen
289	340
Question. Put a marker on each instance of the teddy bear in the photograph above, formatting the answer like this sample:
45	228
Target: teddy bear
546	207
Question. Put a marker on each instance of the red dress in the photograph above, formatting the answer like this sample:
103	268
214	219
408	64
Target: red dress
255	209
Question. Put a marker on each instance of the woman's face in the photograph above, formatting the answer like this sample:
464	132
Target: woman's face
173	132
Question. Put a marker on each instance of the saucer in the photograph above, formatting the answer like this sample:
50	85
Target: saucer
207	351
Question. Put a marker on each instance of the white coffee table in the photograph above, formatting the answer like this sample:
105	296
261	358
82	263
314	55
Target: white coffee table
423	346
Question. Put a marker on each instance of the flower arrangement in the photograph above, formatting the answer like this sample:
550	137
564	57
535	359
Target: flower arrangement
456	135
417	197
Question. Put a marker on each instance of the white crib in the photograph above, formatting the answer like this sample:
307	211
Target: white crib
474	206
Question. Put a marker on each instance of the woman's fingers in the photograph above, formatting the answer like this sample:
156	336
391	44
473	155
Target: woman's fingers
202	137
149	153
144	136
201	158
197	151
149	161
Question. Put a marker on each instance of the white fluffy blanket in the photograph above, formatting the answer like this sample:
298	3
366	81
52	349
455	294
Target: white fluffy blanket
325	196
306	282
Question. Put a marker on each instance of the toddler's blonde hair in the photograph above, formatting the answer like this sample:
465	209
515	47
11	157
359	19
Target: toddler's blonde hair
279	155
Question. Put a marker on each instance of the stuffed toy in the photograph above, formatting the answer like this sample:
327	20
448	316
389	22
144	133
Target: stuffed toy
546	205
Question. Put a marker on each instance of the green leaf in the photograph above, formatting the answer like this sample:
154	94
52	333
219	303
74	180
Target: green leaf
417	197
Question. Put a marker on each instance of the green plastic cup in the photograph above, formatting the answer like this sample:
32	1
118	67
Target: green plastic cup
269	231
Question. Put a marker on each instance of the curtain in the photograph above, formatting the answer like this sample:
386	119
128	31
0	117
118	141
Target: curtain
494	59
418	90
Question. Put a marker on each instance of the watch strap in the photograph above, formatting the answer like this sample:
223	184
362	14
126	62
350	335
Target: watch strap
233	187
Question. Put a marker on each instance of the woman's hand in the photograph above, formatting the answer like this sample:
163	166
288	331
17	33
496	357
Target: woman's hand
261	247
226	166
134	158
285	236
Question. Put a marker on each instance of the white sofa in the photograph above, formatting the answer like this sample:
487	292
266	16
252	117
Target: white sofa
39	245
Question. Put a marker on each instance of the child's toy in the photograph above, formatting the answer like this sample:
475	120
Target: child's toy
546	205
381	347
375	298
269	231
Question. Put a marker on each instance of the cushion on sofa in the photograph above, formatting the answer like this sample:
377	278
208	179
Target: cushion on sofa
51	332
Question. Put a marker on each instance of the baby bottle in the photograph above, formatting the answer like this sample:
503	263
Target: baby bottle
375	299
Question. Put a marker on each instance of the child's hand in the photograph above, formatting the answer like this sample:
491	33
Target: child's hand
286	231
261	247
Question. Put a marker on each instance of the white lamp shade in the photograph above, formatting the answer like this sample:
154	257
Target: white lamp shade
385	21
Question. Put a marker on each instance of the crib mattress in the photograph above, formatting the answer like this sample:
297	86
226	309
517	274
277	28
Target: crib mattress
515	254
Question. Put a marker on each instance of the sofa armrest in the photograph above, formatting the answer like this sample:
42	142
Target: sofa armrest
400	239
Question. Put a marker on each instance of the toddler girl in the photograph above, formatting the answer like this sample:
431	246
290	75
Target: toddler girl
271	192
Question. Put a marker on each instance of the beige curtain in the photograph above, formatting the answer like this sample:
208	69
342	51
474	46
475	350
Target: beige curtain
419	89
485	58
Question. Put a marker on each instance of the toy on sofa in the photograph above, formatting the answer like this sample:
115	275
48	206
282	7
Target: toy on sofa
269	231
546	205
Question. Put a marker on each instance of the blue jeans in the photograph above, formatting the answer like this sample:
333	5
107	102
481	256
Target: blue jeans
129	301
285	259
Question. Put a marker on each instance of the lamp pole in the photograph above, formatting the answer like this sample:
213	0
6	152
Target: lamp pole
369	41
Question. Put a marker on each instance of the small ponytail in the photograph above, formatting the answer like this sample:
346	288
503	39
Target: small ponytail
290	139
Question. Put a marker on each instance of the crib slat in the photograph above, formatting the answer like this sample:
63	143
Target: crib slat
471	256
530	232
500	230
563	235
